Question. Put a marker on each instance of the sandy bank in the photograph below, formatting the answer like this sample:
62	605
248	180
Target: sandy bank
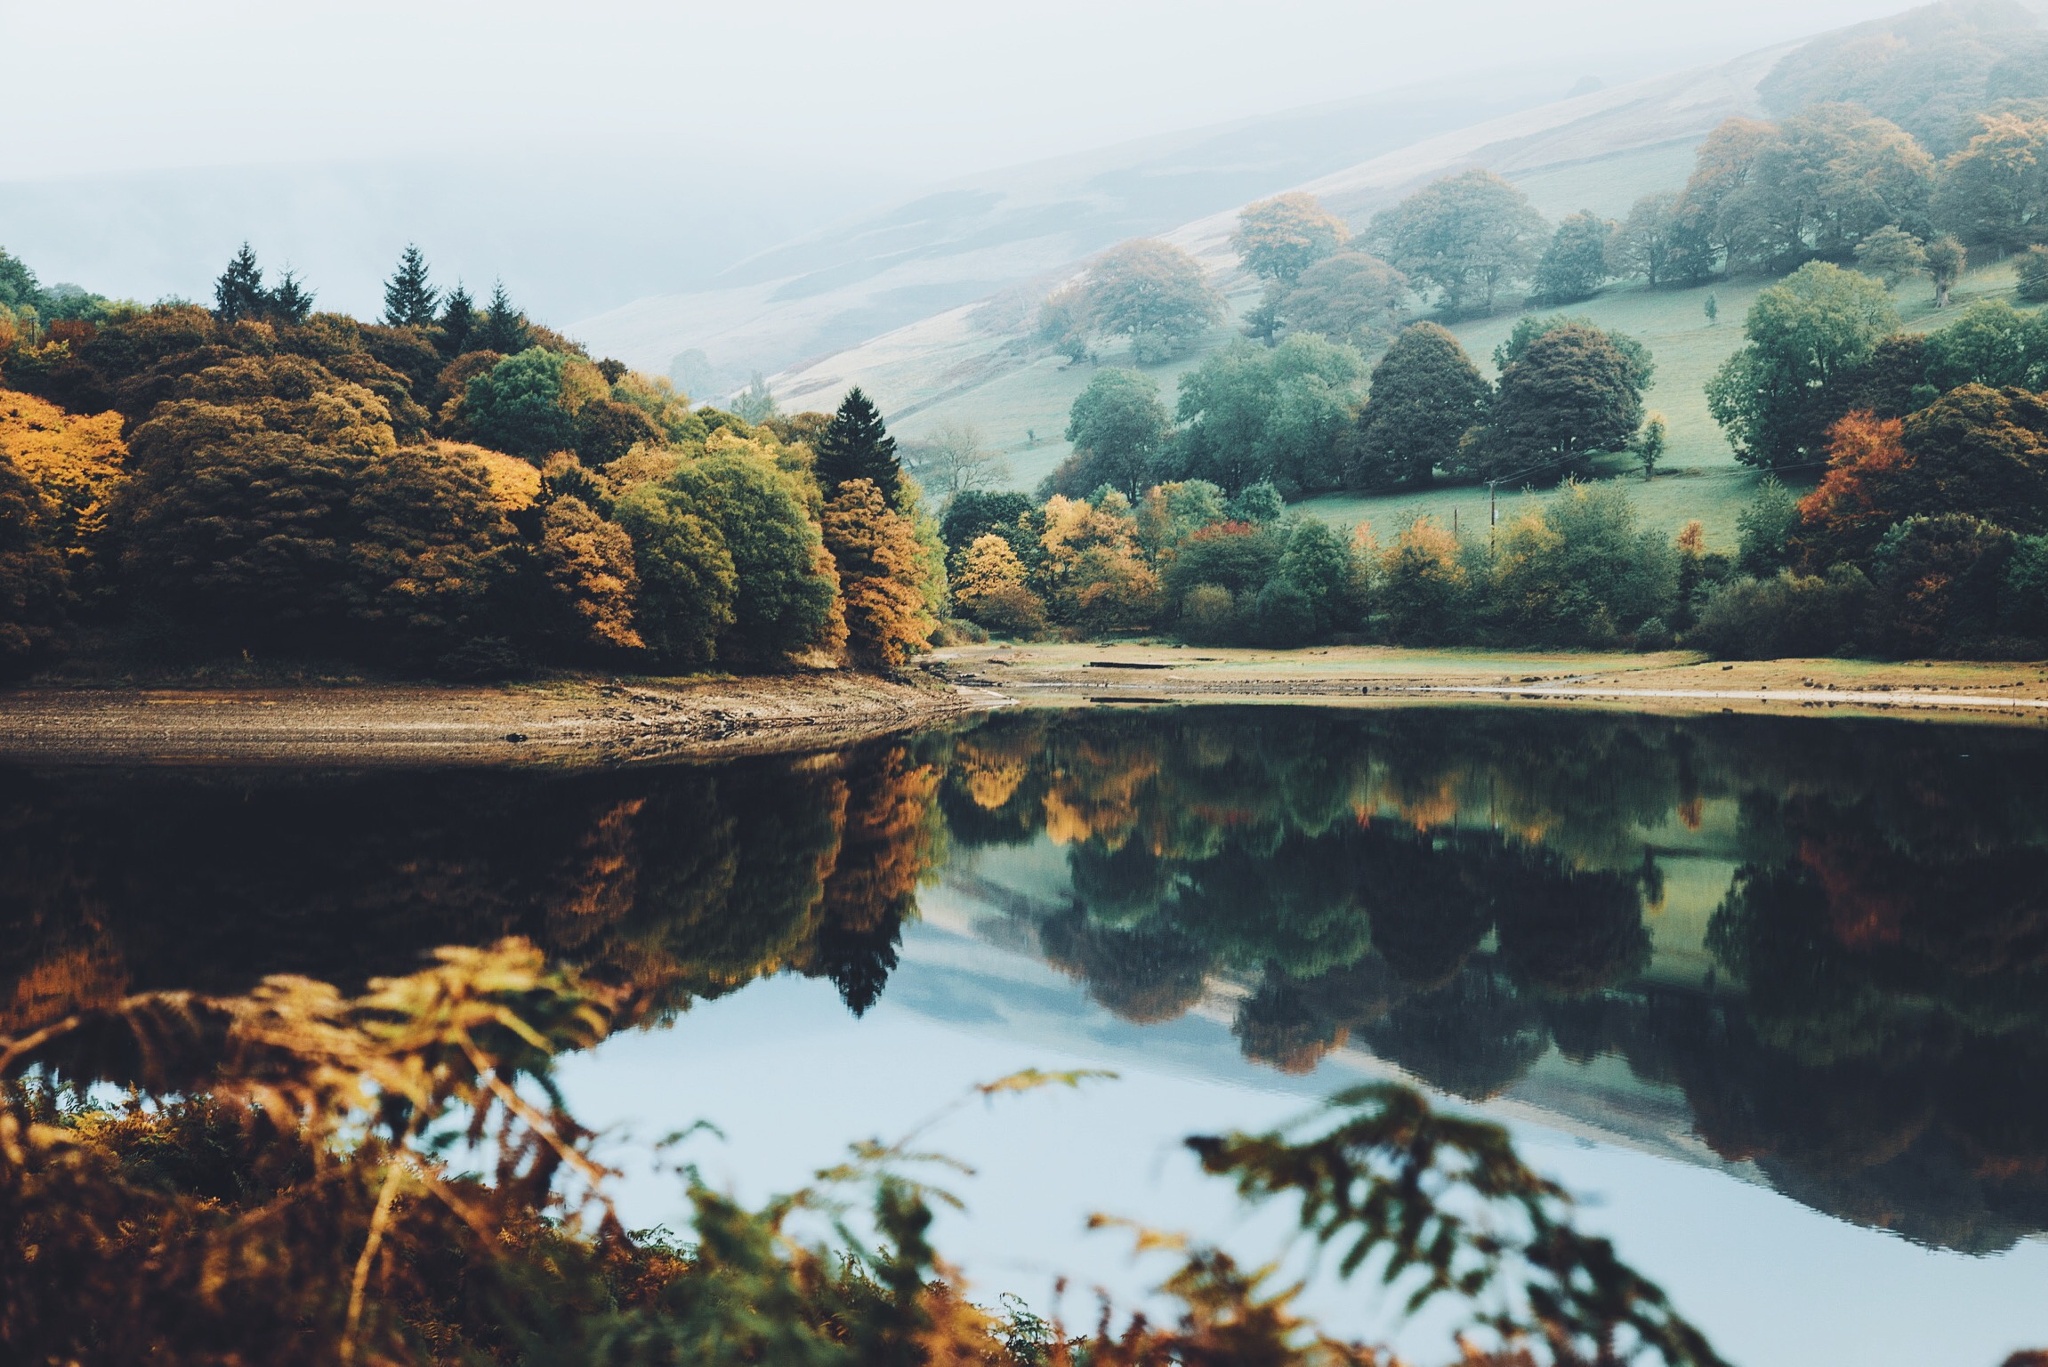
1378	676
580	723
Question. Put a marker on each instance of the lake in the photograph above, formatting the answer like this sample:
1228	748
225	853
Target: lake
1769	994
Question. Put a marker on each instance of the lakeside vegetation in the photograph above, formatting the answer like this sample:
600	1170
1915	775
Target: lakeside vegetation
453	489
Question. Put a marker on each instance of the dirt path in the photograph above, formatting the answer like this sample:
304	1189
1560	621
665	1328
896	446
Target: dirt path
1374	676
577	723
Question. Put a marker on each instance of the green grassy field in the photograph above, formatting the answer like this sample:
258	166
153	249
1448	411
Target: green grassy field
1022	412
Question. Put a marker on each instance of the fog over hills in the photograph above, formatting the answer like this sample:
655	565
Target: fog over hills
980	235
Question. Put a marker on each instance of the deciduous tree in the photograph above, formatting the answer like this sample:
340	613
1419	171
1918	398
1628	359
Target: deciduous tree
1277	239
1425	395
1155	294
881	575
1117	425
1467	236
1804	335
1570	393
1574	264
1349	297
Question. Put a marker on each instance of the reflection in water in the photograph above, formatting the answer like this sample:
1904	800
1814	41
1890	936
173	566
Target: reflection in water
1859	1010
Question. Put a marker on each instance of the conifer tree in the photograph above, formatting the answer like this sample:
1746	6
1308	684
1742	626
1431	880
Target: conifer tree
504	328
239	292
855	445
408	299
458	321
291	301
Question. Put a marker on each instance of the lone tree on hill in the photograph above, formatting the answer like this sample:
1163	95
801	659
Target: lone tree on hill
1155	294
856	445
1425	396
239	292
1278	239
1467	236
409	300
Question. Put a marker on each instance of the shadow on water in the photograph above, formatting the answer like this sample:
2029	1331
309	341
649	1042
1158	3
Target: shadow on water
1831	939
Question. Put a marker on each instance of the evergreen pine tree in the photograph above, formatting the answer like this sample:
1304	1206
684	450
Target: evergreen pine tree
855	445
239	292
504	328
291	301
458	321
408	299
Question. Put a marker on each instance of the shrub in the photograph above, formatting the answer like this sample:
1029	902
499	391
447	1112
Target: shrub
1761	619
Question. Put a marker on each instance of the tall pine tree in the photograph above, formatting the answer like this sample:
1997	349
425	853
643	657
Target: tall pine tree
291	301
239	292
408	299
504	328
458	321
855	445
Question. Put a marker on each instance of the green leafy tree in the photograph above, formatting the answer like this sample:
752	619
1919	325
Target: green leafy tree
1645	244
857	445
784	588
1569	394
1117	426
687	578
1318	565
410	299
1764	529
1252	413
19	287
1650	443
1425	395
1155	294
1989	343
1819	183
1994	191
519	405
1891	254
973	513
239	292
2032	275
1642	366
1349	297
1574	265
1582	570
1804	335
1277	239
1467	236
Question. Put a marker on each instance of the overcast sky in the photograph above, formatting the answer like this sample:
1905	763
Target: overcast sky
920	89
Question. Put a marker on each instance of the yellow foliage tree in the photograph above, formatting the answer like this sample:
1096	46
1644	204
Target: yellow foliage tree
881	570
993	588
1097	576
74	462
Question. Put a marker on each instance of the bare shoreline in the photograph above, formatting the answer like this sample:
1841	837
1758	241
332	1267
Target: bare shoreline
567	724
600	723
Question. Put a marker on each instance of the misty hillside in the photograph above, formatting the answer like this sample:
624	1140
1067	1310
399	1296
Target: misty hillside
1598	150
980	236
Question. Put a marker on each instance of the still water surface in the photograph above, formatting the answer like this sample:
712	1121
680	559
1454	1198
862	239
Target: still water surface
1771	993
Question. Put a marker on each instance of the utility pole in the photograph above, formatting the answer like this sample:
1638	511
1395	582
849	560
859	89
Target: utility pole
1492	510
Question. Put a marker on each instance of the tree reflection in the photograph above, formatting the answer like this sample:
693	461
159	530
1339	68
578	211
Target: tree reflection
1462	893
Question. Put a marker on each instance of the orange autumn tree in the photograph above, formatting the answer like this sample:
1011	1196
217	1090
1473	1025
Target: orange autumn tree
1858	497
1098	579
881	575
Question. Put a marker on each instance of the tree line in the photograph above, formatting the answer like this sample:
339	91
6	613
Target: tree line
453	487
